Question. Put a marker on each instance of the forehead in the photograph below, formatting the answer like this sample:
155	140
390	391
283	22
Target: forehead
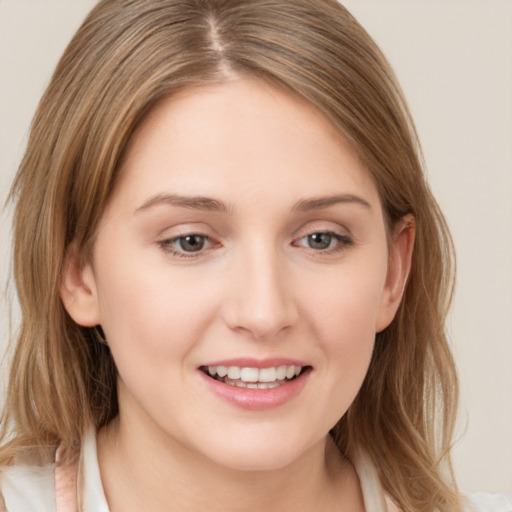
245	136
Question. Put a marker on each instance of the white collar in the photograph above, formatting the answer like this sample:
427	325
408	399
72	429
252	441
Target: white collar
93	495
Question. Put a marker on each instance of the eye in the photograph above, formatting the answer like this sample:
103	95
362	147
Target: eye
325	241
186	245
191	243
320	241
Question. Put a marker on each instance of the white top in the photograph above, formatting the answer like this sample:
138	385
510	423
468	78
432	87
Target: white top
32	489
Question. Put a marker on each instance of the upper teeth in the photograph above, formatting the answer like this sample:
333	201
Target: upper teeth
255	374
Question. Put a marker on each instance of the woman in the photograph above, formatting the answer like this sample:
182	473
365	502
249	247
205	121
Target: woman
232	274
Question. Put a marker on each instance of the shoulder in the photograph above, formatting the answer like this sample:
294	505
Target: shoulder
27	489
484	502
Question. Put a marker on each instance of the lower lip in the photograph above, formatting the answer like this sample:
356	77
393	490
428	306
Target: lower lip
257	399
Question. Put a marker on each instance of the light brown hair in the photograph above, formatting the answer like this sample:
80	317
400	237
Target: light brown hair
128	55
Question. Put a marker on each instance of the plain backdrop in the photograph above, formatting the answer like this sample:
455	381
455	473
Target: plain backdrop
454	61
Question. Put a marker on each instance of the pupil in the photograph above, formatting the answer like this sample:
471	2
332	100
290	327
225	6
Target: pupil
192	243
320	240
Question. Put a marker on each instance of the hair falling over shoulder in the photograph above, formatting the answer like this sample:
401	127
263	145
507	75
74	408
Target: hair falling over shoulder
128	55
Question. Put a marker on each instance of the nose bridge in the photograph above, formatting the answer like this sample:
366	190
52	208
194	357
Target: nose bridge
261	299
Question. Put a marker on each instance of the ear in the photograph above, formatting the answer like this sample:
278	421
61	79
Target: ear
78	289
399	265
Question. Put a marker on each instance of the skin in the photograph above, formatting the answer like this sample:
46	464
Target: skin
257	289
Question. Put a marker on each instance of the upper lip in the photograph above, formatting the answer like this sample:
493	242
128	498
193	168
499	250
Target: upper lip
248	362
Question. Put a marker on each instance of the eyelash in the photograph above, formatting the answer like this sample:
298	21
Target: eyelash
167	246
343	242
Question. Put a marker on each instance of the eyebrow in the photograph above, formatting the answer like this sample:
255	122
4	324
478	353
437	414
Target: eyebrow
214	205
319	203
193	202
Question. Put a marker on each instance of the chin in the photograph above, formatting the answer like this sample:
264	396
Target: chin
265	455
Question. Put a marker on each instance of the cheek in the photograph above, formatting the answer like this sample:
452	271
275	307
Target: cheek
152	323
149	314
345	312
344	323
347	340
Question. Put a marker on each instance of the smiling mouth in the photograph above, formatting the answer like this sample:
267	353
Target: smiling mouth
254	378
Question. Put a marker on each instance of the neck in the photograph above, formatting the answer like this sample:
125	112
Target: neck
144	470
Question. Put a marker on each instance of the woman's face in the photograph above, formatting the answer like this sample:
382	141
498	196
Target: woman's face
243	237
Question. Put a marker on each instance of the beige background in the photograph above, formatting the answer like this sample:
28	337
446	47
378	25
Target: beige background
454	60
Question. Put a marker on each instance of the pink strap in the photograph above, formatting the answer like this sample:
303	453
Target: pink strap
66	481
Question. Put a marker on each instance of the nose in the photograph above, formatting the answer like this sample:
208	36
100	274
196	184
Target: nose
260	298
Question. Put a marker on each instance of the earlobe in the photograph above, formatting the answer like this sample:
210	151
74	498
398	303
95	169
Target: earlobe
400	256
78	290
